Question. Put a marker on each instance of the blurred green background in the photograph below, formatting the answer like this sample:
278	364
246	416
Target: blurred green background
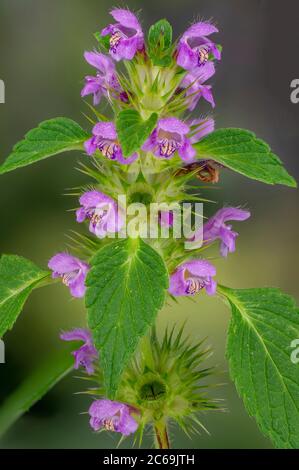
41	61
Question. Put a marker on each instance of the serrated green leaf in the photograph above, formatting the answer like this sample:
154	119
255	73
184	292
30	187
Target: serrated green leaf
18	277
132	131
159	43
264	324
49	138
126	287
241	151
35	386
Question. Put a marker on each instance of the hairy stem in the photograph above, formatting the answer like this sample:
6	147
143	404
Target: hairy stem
161	436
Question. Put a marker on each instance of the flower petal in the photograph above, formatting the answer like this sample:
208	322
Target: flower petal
126	18
91	86
77	334
174	125
127	424
126	49
202	28
187	152
211	287
64	263
93	199
100	61
106	130
200	268
90	146
126	161
187	59
177	286
77	285
104	409
228	213
203	128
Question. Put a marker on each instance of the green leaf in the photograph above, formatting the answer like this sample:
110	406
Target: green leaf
160	43
160	35
103	41
126	287
241	151
132	131
34	387
18	277
49	138
264	324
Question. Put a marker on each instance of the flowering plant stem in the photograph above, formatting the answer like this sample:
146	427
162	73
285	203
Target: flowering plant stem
155	157
161	435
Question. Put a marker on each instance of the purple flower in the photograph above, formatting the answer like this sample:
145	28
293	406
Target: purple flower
194	83
72	270
170	136
166	218
87	354
193	276
102	212
112	416
195	47
200	128
215	228
105	140
126	36
104	82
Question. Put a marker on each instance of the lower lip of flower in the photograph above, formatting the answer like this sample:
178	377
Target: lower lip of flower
96	218
195	285
203	55
167	147
108	149
108	425
115	40
69	277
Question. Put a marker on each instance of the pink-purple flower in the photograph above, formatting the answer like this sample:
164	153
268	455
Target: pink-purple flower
170	136
71	270
126	36
191	277
216	229
166	218
102	211
200	128
194	82
112	416
195	47
104	82
105	140
86	354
